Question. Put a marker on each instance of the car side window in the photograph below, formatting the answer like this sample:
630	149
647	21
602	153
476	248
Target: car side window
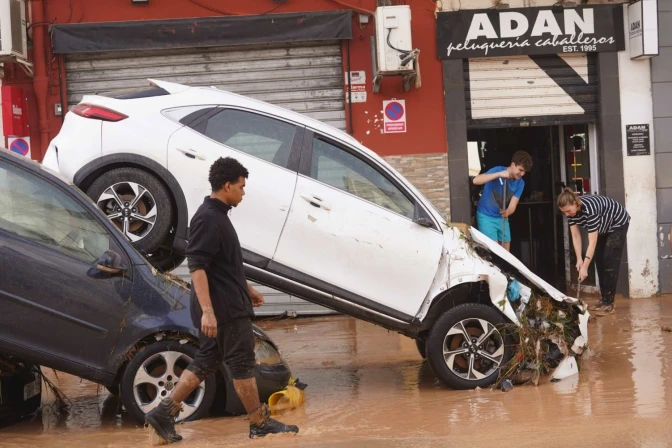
340	169
253	134
38	211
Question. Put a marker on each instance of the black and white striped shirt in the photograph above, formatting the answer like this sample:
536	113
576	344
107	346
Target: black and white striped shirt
601	214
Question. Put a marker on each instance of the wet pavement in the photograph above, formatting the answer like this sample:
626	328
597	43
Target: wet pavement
368	387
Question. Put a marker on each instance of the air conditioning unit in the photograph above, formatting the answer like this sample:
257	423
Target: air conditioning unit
13	41
394	49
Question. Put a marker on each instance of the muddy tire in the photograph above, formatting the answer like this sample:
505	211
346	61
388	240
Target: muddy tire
136	195
468	345
166	261
421	344
152	375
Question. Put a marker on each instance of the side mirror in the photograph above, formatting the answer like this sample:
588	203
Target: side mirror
424	222
110	263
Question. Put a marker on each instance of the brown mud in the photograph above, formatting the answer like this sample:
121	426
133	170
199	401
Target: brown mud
368	387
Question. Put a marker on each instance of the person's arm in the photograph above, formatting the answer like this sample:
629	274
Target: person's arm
199	280
203	246
483	179
578	245
512	207
590	252
515	198
256	297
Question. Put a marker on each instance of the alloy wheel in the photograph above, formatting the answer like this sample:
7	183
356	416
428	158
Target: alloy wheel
473	349
131	207
157	378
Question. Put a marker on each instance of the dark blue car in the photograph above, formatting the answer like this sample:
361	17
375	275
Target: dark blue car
77	297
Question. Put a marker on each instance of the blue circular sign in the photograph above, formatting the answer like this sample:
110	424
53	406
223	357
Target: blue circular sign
394	111
19	146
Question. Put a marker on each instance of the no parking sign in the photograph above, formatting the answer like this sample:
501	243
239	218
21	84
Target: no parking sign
19	145
394	116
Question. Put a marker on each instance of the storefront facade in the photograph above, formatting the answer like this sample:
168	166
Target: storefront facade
563	100
557	82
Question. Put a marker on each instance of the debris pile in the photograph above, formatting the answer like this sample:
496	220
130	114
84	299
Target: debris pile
549	335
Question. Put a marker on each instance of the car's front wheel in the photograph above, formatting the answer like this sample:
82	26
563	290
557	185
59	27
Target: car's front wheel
468	345
136	202
153	374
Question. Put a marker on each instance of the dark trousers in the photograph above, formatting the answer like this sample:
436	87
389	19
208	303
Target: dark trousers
607	257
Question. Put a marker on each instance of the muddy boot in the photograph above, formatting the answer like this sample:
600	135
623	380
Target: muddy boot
162	419
270	426
606	310
597	307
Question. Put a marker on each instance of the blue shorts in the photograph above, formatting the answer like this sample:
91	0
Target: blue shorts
492	227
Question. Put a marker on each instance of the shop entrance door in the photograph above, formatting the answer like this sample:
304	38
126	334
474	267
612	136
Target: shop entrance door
536	232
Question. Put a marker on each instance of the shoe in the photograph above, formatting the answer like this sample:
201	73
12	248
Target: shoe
597	307
606	310
270	426
162	419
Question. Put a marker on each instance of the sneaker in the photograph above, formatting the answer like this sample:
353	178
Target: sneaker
162	419
606	310
270	426
597	307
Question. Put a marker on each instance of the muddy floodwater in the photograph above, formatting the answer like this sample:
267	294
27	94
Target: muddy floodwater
368	387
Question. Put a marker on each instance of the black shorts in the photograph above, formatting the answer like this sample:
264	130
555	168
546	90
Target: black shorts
234	344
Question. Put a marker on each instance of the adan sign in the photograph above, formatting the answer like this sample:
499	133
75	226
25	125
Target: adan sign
529	31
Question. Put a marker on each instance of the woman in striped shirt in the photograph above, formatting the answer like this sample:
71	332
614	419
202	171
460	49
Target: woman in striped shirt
607	224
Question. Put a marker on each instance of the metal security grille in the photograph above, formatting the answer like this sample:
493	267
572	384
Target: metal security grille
542	89
303	78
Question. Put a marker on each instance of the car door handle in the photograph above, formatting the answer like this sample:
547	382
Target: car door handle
191	153
315	201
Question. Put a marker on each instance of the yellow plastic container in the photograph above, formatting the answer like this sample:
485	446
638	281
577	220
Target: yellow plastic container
289	398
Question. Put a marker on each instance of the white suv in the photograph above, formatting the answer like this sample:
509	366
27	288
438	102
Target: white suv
324	218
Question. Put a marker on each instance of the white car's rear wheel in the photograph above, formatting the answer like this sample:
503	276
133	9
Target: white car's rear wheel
138	203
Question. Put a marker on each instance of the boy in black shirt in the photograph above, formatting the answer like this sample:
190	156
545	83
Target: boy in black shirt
221	307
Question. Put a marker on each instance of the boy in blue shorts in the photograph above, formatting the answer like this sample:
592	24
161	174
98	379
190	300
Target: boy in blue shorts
492	212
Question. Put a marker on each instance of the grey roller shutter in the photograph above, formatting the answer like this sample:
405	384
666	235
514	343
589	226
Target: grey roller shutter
554	89
303	78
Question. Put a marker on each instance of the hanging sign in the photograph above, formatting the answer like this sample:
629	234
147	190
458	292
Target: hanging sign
529	31
643	29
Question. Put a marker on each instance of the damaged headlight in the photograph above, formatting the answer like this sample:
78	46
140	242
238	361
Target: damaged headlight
265	353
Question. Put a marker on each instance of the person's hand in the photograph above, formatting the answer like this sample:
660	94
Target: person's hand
504	213
209	323
583	273
504	174
579	265
257	298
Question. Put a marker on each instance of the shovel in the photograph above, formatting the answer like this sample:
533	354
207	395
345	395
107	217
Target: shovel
504	208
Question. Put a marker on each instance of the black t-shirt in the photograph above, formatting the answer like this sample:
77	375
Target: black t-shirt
215	248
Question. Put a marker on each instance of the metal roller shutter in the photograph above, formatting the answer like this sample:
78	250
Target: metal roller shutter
303	78
306	78
544	90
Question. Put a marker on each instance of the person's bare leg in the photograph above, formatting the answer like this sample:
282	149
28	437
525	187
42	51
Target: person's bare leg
187	383
249	395
507	246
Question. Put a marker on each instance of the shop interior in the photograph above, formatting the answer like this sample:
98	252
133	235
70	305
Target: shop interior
561	157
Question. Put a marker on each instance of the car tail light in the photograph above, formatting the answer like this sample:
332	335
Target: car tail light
98	112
